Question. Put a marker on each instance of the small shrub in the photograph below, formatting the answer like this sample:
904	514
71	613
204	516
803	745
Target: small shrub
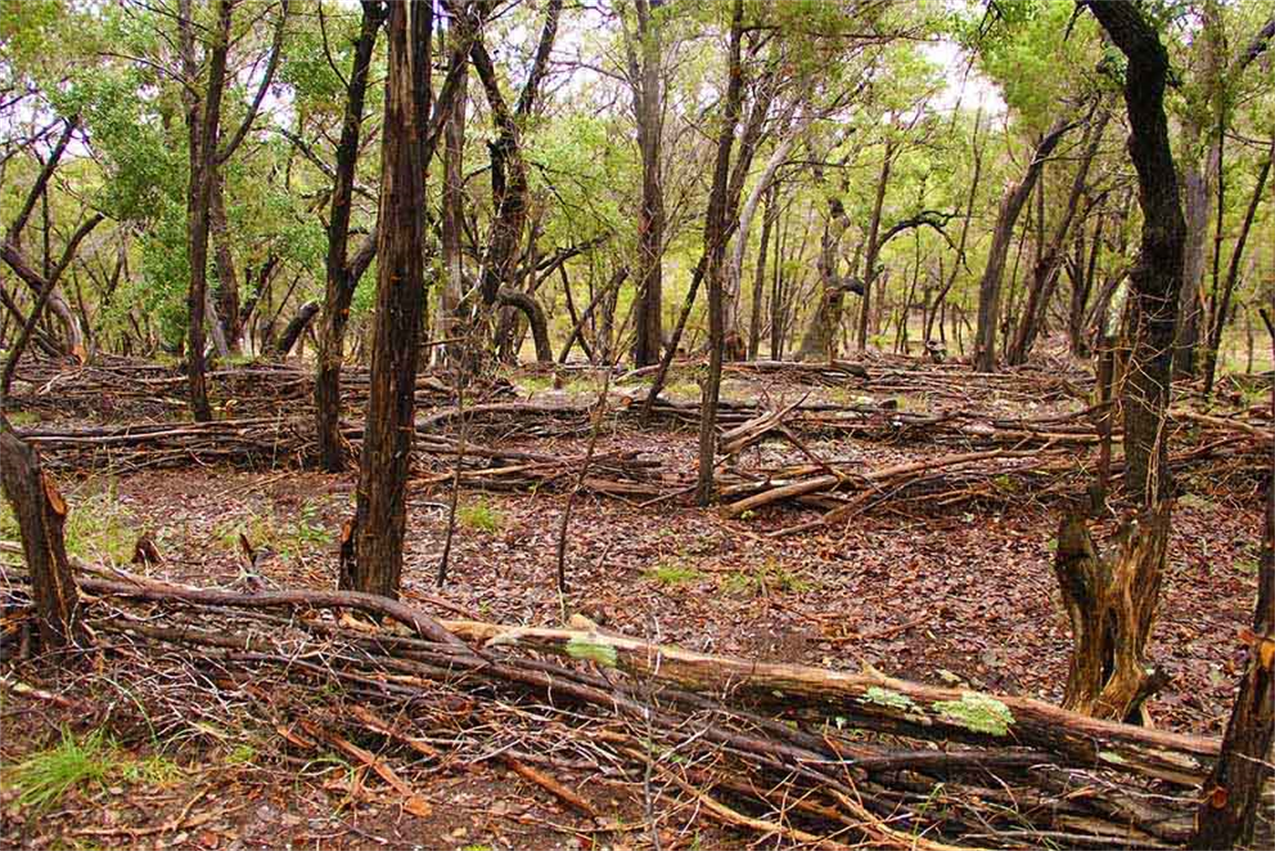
771	578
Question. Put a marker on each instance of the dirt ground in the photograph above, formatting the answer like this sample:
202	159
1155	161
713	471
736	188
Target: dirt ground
965	596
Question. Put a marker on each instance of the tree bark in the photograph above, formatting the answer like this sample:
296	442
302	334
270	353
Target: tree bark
715	236
1111	605
202	121
453	214
648	109
874	247
341	276
381	512
989	288
1156	278
759	275
41	513
1232	794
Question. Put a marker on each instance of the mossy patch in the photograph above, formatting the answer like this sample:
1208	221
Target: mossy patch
889	699
977	713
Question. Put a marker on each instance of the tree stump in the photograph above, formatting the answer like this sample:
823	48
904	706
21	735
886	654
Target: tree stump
1111	604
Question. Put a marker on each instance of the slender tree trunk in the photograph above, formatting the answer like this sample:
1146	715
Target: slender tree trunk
1222	311
759	277
1050	255
342	276
381	517
453	212
203	121
648	107
989	289
778	306
715	236
874	246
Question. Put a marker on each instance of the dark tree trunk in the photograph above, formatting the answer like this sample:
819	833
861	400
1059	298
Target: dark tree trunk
874	247
203	121
648	100
1232	794
759	279
1156	278
41	513
715	236
508	171
989	288
296	327
342	275
381	514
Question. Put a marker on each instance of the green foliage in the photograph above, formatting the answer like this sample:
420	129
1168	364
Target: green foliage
44	777
480	516
98	528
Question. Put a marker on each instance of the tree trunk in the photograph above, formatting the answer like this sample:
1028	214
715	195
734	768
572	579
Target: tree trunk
1221	311
820	337
453	213
715	236
648	102
1156	278
1232	794
874	247
381	514
989	288
41	513
759	275
228	311
342	276
203	121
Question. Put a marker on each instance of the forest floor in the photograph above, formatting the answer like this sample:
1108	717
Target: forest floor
960	596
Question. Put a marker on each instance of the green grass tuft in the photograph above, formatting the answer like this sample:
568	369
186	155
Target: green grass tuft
772	578
672	573
45	777
480	516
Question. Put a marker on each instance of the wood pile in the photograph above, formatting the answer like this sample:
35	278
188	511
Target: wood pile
119	388
817	756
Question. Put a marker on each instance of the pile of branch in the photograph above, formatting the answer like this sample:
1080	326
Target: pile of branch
120	387
898	373
263	443
995	476
820	757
